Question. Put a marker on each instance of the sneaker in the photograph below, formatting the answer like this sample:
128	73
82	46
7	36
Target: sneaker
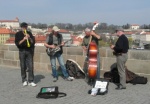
69	79
25	83
72	78
55	79
32	84
27	70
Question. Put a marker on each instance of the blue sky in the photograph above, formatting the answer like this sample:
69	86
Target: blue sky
117	12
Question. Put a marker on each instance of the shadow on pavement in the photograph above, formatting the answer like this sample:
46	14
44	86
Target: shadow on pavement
38	78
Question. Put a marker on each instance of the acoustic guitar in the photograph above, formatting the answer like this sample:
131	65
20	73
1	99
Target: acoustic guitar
53	51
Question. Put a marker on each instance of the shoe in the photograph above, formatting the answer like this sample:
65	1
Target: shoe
25	83
55	79
27	70
120	88
72	78
69	79
32	84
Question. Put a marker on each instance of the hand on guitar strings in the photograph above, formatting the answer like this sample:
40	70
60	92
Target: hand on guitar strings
52	46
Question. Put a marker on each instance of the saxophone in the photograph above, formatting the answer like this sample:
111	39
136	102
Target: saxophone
28	44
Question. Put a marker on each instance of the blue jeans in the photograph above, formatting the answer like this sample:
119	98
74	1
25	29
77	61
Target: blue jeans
61	63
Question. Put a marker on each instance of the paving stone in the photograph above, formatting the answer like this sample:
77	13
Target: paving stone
12	91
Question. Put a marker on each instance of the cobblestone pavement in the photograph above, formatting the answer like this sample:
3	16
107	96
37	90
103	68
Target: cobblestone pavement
12	91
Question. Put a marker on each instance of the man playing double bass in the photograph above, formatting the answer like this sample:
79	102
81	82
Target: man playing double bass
91	36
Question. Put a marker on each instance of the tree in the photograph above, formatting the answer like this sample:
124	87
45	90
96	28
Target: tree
127	26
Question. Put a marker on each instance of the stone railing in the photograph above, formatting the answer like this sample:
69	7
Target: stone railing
138	60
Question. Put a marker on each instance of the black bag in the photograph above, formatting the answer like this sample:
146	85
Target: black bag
74	69
139	80
101	85
50	92
112	76
131	77
108	76
115	76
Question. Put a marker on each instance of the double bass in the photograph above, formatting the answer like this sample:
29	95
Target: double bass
91	60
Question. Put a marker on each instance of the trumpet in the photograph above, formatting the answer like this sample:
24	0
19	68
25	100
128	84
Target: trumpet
28	44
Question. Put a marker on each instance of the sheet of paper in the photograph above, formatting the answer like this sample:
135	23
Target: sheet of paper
100	84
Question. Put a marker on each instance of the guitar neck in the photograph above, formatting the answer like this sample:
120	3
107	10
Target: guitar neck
64	42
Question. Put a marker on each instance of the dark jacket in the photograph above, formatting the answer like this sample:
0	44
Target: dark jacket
122	44
59	37
19	36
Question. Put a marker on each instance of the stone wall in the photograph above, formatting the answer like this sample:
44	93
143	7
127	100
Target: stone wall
138	60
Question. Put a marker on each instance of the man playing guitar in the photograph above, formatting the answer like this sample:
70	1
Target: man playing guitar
91	36
55	38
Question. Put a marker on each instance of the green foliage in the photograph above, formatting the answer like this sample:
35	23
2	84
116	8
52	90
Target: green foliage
130	42
102	43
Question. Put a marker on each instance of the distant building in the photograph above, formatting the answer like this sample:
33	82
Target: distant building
135	27
40	40
145	37
77	40
10	23
5	34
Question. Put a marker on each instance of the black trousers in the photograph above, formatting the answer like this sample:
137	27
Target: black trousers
26	65
26	55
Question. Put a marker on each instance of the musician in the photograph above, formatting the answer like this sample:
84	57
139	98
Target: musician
121	48
86	40
24	40
32	48
54	39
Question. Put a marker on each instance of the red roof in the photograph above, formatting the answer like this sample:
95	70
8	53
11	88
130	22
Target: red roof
134	25
40	38
6	31
128	32
15	20
10	40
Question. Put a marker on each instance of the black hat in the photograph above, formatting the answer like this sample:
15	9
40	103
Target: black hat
24	24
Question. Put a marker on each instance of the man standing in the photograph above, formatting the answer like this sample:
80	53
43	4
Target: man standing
54	40
120	49
90	35
24	40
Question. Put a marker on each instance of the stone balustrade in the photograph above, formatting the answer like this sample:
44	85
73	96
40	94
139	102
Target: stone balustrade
138	60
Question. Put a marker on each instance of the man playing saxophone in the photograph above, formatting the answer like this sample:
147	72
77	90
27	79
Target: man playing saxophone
25	41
